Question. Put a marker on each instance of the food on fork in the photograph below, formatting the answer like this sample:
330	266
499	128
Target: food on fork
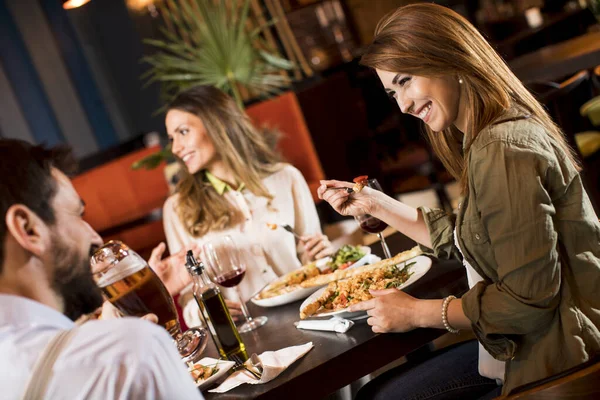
271	226
359	183
339	274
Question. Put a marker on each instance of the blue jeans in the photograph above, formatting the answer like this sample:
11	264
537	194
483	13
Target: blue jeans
451	373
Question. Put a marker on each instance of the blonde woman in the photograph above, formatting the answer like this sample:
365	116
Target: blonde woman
234	185
525	230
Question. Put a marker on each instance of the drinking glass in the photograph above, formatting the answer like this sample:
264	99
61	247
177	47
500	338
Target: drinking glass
369	223
135	290
225	267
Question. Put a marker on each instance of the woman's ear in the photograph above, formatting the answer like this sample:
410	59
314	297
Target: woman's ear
27	229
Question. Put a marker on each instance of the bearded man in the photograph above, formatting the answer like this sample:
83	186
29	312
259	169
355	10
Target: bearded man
46	284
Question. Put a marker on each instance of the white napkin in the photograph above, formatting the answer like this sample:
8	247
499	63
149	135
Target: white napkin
274	363
335	324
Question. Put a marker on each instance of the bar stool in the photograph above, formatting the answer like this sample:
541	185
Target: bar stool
580	382
596	79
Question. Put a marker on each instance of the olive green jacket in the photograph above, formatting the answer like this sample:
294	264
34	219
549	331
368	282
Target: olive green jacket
527	227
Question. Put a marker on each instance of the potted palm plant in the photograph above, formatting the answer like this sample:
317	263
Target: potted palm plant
213	42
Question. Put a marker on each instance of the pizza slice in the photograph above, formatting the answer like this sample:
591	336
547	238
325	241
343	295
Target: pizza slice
289	282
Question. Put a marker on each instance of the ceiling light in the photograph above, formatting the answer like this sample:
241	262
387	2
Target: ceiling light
70	4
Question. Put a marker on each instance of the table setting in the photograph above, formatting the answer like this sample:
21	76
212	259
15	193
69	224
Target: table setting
335	340
281	350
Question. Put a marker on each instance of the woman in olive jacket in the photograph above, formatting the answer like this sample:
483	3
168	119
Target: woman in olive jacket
525	229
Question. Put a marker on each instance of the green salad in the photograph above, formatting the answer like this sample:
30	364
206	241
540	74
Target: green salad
345	257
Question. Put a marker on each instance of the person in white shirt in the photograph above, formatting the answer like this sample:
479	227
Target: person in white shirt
46	284
233	184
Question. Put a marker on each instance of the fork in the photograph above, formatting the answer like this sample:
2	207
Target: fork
290	230
348	190
239	364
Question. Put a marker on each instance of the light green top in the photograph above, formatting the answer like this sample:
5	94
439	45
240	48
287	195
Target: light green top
528	228
221	186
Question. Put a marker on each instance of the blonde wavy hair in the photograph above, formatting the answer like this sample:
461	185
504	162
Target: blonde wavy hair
239	145
433	41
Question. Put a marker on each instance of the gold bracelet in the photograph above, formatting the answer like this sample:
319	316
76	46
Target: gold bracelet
445	305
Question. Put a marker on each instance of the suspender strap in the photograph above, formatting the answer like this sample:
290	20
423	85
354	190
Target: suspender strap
42	370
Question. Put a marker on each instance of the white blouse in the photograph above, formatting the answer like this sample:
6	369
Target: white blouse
266	253
488	365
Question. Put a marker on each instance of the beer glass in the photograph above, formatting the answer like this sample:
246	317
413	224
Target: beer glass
135	290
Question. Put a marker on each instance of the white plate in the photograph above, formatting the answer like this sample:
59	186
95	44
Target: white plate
222	365
418	270
302	293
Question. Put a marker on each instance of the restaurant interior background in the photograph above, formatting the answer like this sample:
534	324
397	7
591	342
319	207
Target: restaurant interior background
74	76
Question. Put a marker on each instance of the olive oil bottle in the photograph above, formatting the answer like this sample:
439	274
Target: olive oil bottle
214	311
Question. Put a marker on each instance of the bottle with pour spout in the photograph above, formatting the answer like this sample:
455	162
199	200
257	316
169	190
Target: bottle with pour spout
214	311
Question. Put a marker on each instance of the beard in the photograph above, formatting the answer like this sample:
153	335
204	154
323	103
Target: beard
73	280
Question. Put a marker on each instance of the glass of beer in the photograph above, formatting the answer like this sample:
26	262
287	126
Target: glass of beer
135	290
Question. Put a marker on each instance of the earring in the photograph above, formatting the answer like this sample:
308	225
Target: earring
460	80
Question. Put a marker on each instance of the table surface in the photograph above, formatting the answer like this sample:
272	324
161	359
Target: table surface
559	60
339	359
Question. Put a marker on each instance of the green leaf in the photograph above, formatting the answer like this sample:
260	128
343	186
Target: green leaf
149	162
258	30
276	61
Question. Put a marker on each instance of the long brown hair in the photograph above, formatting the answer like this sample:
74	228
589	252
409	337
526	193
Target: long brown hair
433	41
239	145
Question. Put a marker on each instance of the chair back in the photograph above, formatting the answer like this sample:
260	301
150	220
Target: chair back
596	79
296	145
563	101
543	91
579	383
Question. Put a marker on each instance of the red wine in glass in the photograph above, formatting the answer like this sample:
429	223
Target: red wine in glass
224	266
373	225
231	278
369	223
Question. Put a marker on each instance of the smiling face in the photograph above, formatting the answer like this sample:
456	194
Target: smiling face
436	101
190	140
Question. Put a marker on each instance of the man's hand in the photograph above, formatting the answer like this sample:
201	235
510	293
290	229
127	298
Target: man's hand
390	310
171	270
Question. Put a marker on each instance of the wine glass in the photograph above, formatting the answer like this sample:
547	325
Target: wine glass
135	290
225	267
369	223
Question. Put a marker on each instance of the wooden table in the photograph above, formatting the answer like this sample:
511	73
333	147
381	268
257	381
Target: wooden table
559	60
339	359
